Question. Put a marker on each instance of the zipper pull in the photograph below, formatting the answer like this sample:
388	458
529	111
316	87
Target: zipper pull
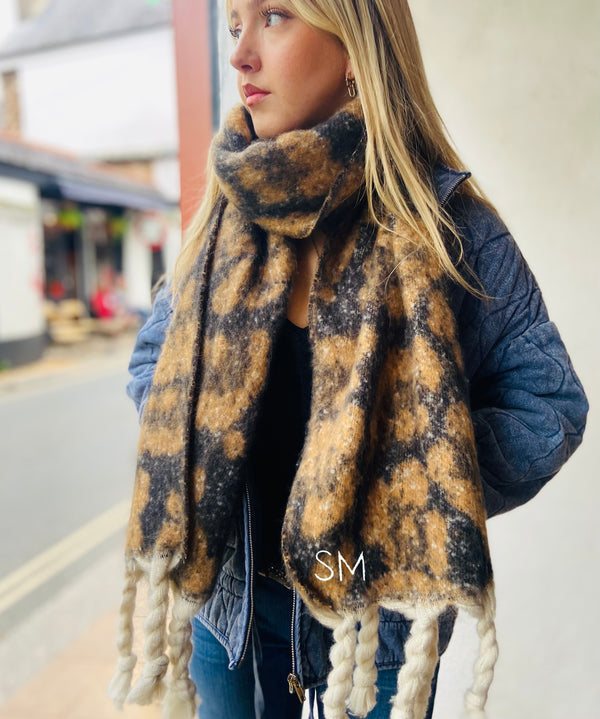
295	686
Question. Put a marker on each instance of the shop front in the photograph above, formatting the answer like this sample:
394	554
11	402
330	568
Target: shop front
80	245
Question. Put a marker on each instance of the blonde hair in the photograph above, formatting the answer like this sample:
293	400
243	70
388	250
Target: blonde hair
406	136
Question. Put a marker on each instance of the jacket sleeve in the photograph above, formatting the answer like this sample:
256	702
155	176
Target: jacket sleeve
528	406
147	349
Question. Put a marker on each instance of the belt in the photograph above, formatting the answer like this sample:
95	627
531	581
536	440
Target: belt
276	573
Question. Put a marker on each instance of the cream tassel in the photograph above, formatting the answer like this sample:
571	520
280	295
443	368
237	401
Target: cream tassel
421	656
180	699
364	692
483	671
119	687
339	681
150	685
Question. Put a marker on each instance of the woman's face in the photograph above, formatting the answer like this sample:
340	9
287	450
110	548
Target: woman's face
290	75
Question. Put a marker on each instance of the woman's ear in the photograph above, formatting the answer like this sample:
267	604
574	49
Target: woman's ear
350	81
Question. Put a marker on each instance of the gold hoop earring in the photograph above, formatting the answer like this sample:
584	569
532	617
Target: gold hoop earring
351	85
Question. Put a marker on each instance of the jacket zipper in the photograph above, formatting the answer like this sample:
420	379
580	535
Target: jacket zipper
293	679
450	191
251	578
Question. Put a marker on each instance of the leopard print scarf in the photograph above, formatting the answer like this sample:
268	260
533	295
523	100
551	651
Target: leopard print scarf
387	490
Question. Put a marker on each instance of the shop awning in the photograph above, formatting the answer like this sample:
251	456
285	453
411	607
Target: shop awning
62	176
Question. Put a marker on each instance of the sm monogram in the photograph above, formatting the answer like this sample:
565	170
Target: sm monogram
340	562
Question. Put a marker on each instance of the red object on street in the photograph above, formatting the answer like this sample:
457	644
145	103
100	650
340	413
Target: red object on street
104	304
191	22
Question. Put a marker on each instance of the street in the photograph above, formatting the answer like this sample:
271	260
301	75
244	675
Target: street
67	455
67	442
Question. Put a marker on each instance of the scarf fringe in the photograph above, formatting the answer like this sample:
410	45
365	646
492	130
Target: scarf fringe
363	696
483	670
339	681
351	684
181	701
179	693
120	685
421	656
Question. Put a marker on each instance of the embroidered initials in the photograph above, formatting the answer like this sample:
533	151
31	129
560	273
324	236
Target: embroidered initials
341	560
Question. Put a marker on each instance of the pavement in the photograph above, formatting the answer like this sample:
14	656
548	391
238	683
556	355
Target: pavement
58	362
67	677
73	685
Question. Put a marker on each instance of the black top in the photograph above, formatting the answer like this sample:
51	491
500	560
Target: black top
280	433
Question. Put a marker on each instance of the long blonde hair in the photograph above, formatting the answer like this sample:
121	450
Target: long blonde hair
406	137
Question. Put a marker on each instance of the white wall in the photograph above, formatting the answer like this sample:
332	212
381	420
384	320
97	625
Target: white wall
21	261
165	177
137	268
518	86
114	97
8	18
137	258
172	246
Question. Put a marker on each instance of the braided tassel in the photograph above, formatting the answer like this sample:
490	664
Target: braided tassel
476	697
120	685
364	692
414	678
339	681
180	699
150	685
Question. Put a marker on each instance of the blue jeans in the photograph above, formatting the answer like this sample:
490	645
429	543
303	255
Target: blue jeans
258	688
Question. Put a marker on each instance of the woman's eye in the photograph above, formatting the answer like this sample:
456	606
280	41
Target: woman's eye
273	17
234	32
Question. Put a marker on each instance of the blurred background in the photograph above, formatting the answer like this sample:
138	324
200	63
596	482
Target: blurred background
106	111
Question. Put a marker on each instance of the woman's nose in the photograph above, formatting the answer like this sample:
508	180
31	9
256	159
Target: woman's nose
244	56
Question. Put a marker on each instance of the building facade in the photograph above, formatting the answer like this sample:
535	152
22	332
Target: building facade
89	123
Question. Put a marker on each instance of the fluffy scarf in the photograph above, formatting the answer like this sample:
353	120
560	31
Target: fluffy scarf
386	508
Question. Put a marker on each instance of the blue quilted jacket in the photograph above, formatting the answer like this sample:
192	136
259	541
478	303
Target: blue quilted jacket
528	409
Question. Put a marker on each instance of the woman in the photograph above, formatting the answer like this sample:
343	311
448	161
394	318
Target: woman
358	368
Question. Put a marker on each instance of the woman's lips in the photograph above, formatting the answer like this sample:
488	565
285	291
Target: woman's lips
254	94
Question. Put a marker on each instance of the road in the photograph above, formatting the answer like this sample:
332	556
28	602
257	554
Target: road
68	455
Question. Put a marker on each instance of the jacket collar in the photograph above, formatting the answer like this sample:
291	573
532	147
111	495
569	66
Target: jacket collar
447	181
